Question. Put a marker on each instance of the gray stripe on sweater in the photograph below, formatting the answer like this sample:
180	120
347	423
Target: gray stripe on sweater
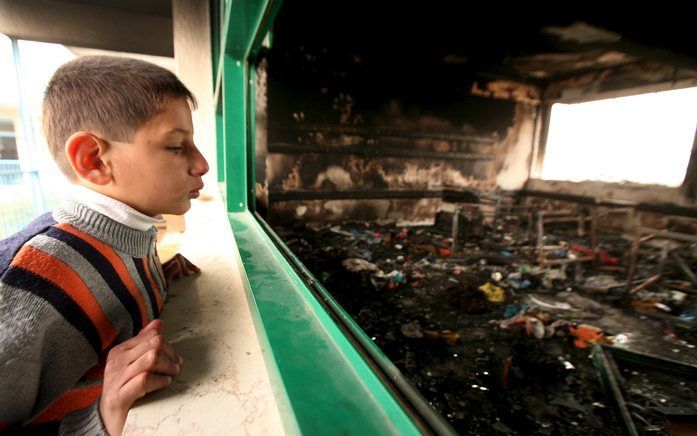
41	354
133	272
155	273
114	311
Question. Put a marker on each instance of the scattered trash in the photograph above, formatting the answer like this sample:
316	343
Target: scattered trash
579	302
514	309
650	304
603	257
448	337
357	265
517	281
363	253
553	306
601	283
493	293
402	234
495	311
338	231
411	330
553	274
620	339
530	325
396	276
586	335
365	236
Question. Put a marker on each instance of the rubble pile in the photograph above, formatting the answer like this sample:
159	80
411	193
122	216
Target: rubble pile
497	329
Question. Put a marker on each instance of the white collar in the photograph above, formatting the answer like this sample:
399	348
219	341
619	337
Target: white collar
114	209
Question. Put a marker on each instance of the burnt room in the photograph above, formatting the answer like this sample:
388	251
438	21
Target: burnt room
502	199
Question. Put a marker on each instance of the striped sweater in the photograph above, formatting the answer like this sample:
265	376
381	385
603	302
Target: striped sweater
72	285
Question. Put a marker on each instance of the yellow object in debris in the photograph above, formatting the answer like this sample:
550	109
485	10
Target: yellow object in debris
493	293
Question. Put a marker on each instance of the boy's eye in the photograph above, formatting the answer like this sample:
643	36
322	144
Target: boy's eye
175	149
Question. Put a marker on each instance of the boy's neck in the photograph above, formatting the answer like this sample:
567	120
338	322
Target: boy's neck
114	209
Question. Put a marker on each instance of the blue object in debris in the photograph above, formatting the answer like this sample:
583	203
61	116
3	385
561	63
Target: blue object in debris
688	314
514	309
520	283
364	253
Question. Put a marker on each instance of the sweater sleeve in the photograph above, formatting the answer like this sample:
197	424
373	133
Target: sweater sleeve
83	422
42	354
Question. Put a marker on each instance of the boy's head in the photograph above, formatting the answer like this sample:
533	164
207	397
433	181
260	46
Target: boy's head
123	127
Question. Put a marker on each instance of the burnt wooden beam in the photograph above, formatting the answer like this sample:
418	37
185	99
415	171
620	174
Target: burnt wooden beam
464	196
375	152
663	208
383	132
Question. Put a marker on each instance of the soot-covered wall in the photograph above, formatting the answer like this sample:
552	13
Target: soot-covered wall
378	132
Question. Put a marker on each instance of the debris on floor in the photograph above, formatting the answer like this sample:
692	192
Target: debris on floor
496	327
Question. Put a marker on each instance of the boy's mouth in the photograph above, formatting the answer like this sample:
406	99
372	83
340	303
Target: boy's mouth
195	192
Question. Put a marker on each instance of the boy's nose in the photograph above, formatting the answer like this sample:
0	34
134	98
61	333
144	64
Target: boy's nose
200	164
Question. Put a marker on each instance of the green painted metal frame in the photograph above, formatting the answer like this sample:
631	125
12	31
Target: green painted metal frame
322	381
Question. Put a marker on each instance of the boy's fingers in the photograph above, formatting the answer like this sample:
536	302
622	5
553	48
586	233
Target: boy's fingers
155	324
152	361
191	266
173	271
147	332
154	342
142	384
184	268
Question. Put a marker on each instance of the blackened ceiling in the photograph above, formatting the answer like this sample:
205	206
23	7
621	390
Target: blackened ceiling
528	42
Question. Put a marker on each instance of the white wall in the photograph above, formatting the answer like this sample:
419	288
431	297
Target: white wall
192	54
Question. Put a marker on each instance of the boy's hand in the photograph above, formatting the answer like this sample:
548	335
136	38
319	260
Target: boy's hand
178	266
142	364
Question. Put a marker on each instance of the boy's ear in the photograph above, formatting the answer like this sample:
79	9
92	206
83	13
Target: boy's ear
85	151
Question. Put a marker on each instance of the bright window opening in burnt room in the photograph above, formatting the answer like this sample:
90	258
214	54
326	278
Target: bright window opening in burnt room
614	140
466	185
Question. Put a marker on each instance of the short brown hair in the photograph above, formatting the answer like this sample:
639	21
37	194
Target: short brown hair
111	95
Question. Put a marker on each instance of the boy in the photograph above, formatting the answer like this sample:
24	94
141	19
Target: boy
80	290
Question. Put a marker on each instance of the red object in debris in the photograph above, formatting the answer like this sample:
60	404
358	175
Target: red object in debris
504	374
587	335
603	258
445	252
403	234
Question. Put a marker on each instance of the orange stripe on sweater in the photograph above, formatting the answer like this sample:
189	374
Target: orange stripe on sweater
75	399
153	285
56	271
116	262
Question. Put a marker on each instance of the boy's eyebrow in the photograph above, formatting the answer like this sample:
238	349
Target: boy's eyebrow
178	130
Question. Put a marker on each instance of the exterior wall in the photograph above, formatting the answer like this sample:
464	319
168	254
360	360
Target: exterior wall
85	25
192	54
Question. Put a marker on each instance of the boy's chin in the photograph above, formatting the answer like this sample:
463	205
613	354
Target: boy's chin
180	209
176	209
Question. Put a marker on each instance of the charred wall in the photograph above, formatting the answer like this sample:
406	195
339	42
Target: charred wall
371	118
356	135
